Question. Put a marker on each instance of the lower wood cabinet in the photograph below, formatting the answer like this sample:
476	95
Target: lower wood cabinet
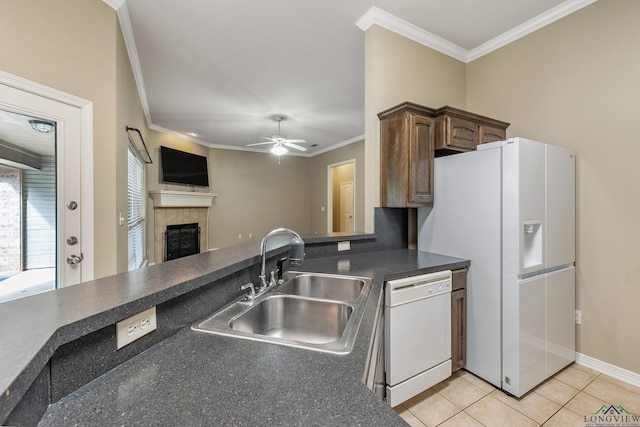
459	319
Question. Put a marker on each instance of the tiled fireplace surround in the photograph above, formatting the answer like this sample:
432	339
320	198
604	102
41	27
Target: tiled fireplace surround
177	216
179	207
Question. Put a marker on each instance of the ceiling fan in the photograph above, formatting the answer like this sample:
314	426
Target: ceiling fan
281	142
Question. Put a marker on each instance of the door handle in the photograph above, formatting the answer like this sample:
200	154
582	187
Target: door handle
75	259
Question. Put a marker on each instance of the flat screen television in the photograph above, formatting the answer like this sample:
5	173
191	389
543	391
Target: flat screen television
180	167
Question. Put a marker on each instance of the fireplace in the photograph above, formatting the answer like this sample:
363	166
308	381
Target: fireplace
181	240
179	207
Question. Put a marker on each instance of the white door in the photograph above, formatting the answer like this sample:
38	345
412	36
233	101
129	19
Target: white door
69	204
346	206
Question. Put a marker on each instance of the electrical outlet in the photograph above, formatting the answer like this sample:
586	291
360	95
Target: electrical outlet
239	236
250	236
578	317
344	246
134	327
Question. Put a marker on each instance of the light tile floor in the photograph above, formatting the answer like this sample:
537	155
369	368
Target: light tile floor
563	401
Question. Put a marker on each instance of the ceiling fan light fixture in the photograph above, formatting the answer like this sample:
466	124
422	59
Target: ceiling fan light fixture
42	125
278	150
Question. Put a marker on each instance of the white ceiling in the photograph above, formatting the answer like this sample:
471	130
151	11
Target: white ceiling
223	68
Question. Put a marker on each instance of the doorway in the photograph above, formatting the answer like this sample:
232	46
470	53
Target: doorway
341	197
45	173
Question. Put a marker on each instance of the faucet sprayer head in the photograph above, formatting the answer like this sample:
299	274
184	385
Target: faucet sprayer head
296	251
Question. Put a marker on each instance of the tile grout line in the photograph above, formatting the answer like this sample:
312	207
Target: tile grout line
563	406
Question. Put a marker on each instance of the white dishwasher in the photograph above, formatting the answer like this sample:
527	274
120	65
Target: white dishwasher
417	334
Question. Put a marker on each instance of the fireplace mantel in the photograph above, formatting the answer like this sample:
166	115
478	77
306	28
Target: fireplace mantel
181	199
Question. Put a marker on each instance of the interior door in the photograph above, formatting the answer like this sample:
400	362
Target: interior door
346	206
67	120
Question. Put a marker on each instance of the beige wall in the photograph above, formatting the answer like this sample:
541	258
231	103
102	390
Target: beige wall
71	46
575	83
318	170
256	195
396	70
129	112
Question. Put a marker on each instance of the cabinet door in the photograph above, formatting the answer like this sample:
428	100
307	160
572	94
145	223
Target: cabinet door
420	161
458	328
491	134
464	134
394	160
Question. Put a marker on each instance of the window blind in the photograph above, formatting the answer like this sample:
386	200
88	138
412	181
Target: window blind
135	206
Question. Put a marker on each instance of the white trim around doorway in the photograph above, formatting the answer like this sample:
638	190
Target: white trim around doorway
330	194
86	155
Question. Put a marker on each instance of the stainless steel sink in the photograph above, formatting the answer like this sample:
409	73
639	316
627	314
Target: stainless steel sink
326	286
320	312
297	319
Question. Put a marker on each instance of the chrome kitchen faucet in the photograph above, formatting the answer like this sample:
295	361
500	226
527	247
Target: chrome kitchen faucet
296	256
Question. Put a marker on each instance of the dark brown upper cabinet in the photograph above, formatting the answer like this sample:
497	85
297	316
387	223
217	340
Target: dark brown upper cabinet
407	138
411	135
458	131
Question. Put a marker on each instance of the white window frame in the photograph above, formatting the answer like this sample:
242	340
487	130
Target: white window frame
137	223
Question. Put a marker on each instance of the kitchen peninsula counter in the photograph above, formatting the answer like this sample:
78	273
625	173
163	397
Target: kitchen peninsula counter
202	379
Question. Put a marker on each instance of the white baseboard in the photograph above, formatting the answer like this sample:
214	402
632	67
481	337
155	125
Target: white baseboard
609	369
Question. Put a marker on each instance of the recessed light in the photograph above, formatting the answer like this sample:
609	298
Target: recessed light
193	134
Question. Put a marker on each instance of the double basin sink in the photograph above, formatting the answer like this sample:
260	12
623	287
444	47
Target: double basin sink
315	311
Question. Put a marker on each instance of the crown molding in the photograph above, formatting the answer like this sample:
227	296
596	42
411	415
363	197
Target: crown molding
115	4
393	23
338	145
399	26
219	146
542	20
134	59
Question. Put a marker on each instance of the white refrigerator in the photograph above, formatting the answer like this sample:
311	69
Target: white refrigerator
509	207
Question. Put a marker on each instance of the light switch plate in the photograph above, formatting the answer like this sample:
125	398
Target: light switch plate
134	327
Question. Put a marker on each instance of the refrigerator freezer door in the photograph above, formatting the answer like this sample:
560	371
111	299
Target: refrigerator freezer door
524	333
561	338
561	206
465	222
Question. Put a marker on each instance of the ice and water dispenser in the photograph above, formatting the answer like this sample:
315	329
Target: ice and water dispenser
532	243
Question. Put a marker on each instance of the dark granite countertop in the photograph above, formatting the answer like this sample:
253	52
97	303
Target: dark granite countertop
200	379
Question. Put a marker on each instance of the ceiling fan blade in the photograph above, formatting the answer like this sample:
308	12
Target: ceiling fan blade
260	143
299	141
297	147
269	138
